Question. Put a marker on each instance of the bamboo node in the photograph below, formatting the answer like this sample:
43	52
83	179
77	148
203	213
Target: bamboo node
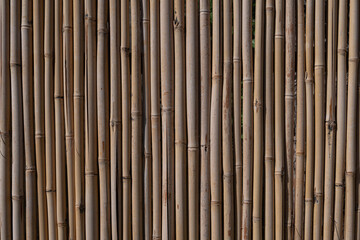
216	202
125	50
26	26
58	97
90	18
193	148
50	190
269	158
30	168
62	224
339	185
353	59
48	55
39	135
80	206
103	160
4	135
247	201
135	115
155	237
257	105
17	197
342	51
102	31
279	36
228	176
238	166
204	12
247	80
309	80
236	60
279	173
69	136
79	96
270	8
15	64
256	219
91	173
309	200
167	109
180	142
319	67
178	25
114	122
217	77
67	29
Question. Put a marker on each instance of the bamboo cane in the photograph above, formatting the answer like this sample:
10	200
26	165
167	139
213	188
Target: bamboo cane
349	228
310	128
167	113
330	124
258	121
27	83
38	10
180	124
192	107
269	121
341	121
300	124
357	227
5	123
79	118
279	120
155	116
215	126
91	169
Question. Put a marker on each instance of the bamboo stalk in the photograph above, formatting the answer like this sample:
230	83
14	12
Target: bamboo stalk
269	121
350	171
215	126
341	121
258	121
300	124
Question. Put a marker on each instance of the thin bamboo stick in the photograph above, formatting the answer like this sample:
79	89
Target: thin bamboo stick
269	121
215	126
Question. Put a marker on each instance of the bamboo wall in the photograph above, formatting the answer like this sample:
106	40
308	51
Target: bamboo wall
174	119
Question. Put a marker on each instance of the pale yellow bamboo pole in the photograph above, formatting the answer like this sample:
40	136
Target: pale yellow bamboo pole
5	123
310	128
215	126
258	121
79	118
357	227
350	171
237	118
279	120
341	121
155	116
28	103
330	124
300	124
181	182
192	107
91	168
39	104
68	81
269	121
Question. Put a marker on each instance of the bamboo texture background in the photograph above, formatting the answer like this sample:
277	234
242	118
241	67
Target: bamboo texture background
179	119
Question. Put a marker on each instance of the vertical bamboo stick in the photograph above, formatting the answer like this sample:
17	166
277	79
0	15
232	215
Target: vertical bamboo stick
269	121
341	121
192	107
349	229
215	126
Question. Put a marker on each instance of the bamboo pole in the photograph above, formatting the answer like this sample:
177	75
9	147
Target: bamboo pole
215	126
310	128
192	107
279	120
269	121
5	123
91	168
79	118
155	117
341	121
39	105
180	124
167	114
350	171
258	121
28	98
237	118
300	124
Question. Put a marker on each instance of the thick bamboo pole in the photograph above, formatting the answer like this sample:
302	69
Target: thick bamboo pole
5	123
269	121
155	117
91	168
167	114
300	124
181	182
341	121
39	104
192	107
258	121
350	171
28	103
215	126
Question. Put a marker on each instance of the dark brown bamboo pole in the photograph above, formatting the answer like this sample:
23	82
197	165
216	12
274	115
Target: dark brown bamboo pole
269	121
5	123
39	105
341	121
215	126
167	113
28	103
91	168
155	117
258	121
350	171
192	107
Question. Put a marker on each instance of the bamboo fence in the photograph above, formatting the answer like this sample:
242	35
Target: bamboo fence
175	119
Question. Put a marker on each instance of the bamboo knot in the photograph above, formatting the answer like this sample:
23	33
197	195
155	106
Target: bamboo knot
236	60
115	123
227	176
342	51
279	173
216	202
308	200
204	12
147	155
155	237
135	115
62	224
167	109
180	142
39	135
79	96
238	166
339	185
102	31
58	97
247	80
67	29
4	135
90	18
48	55
90	174
15	64
178	25
309	80
145	20
270	8
269	158
193	148
353	59
319	66
217	77
80	206
257	105
125	50
126	178
69	136
50	191
247	201
17	197
331	125
26	26
279	36
256	219
103	160
30	169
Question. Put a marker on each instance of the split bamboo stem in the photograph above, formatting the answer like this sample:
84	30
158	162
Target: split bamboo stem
192	107
269	121
215	127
